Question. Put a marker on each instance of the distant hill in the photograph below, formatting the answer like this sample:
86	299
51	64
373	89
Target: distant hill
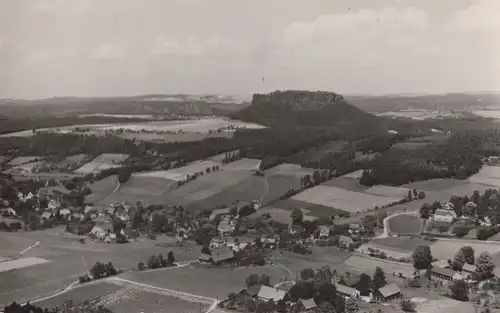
143	104
304	108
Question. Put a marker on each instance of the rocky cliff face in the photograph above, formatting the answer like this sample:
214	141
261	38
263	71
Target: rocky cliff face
296	107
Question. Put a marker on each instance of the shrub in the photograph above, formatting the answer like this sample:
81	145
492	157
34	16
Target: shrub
408	306
141	266
84	279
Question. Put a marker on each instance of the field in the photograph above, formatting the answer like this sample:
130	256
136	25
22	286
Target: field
73	159
368	265
128	300
180	173
66	265
388	191
243	164
23	160
342	199
353	175
216	282
81	294
102	162
437	184
403	245
488	175
201	125
25	167
405	224
102	189
346	183
444	249
290	169
20	263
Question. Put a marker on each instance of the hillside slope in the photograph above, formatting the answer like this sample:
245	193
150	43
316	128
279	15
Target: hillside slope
305	108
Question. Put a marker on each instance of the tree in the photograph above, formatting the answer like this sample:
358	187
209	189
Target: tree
281	306
435	205
485	266
124	176
170	258
458	260
327	292
425	211
252	280
307	273
324	274
297	216
459	230
421	195
407	306
468	252
415	193
365	284
264	280
316	177
476	197
410	196
351	306
459	290
422	257
379	278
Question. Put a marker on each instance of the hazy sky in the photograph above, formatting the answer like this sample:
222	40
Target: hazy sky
123	47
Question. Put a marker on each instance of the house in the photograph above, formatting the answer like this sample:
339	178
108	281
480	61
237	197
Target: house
447	206
8	211
46	216
486	221
295	229
205	258
308	304
346	292
471	205
54	191
53	205
269	293
65	212
345	242
324	232
225	228
441	264
443	273
223	255
354	228
129	233
468	268
98	232
124	216
387	293
89	209
219	212
445	216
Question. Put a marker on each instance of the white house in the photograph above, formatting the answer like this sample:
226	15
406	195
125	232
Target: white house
486	221
446	216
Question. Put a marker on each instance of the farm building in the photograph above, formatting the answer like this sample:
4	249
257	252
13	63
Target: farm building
468	268
308	304
387	293
269	293
443	273
8	211
65	212
345	242
295	229
324	232
252	291
224	255
346	292
46	216
441	264
445	216
205	258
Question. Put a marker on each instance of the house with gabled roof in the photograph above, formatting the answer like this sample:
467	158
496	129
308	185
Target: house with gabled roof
387	293
307	304
347	292
224	255
269	293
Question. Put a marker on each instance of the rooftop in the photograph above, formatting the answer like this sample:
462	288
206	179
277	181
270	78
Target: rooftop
389	290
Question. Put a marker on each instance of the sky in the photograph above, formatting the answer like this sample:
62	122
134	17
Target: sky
129	47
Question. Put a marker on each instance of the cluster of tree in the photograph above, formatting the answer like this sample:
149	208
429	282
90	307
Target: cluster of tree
101	270
486	232
157	261
231	157
68	307
193	176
